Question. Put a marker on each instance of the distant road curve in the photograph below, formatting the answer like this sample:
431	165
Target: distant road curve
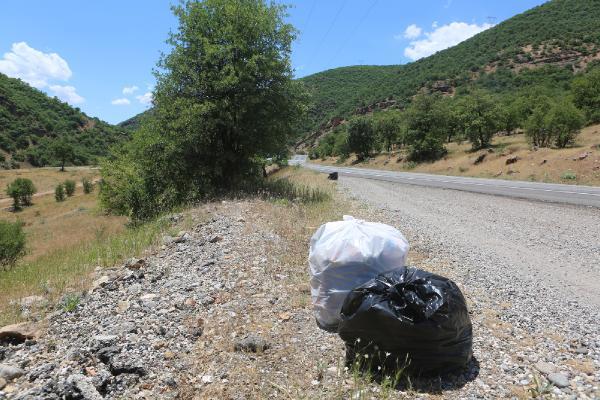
551	192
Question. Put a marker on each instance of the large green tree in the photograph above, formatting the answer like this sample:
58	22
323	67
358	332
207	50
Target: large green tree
479	118
224	98
361	137
425	128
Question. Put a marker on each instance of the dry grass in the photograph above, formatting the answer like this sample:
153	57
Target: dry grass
46	179
66	241
52	226
531	165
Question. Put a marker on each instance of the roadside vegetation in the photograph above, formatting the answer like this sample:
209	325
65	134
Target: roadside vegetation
210	134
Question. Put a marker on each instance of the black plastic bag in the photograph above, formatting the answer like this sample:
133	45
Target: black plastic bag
408	318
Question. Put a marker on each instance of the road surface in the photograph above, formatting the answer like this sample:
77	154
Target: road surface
550	192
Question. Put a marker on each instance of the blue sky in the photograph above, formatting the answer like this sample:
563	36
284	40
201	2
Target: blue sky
99	55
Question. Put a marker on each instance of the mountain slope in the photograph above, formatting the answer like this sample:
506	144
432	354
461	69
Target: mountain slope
30	120
546	44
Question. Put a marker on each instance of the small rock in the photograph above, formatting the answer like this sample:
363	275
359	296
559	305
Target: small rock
543	162
512	160
252	343
183	238
215	239
581	350
498	174
284	316
10	372
105	340
581	156
2	383
558	379
207	379
544	367
135	263
85	387
168	239
18	333
122	306
100	282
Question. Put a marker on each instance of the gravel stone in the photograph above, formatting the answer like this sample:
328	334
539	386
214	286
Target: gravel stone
558	379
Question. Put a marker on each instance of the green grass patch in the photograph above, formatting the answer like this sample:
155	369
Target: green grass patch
568	175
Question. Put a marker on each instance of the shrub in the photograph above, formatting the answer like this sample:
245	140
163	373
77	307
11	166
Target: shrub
568	175
59	192
70	187
12	243
21	190
88	186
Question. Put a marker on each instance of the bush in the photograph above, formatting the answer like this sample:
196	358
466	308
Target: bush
12	243
88	186
59	192
70	187
21	190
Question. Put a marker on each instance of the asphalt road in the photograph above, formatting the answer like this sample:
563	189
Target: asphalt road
549	192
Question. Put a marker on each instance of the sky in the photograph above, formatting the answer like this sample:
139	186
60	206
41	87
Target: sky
99	55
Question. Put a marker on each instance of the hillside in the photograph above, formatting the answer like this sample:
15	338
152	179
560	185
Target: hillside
30	120
544	45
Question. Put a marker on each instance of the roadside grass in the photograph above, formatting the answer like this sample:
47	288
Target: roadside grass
51	225
549	163
45	179
67	269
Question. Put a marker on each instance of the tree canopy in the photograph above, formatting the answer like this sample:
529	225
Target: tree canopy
224	99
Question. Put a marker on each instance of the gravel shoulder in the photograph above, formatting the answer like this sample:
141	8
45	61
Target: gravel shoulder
530	270
223	310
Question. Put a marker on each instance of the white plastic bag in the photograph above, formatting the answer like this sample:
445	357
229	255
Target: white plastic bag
346	254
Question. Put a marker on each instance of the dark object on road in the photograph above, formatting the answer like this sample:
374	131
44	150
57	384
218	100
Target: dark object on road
333	176
408	316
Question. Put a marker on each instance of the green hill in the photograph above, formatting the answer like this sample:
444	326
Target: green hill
544	45
30	120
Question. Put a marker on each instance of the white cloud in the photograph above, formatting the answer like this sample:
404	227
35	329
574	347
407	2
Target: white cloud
412	32
66	93
145	98
120	102
443	37
130	89
33	66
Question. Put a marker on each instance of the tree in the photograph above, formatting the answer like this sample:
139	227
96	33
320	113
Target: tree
63	151
586	92
479	118
361	137
425	129
21	190
224	98
12	243
387	129
564	122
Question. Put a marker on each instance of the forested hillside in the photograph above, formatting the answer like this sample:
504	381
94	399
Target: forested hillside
31	121
545	45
